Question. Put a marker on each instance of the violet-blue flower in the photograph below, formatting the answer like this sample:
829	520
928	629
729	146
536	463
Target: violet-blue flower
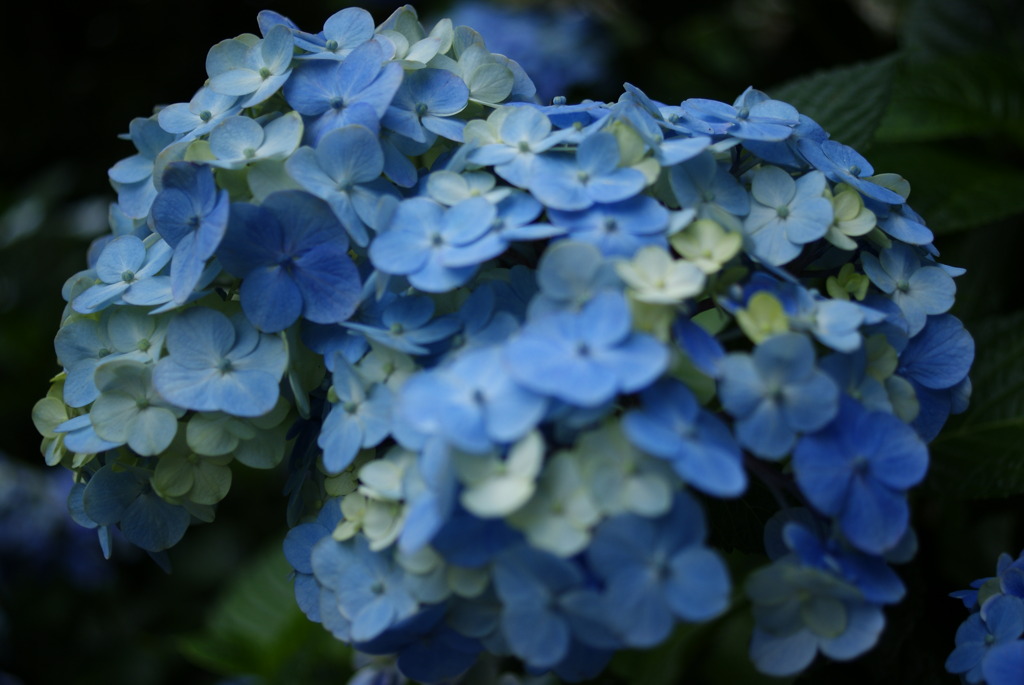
292	255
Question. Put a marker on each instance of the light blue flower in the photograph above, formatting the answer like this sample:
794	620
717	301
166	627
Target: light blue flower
786	214
251	68
775	393
593	174
435	247
585	358
330	94
220	364
125	262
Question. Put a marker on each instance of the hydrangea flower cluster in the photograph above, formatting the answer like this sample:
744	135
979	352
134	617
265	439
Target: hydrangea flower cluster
505	352
990	643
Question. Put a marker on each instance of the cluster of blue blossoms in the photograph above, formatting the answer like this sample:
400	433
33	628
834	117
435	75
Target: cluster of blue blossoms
509	351
990	643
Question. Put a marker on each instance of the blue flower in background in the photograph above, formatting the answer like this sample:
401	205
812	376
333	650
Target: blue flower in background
292	255
999	621
560	47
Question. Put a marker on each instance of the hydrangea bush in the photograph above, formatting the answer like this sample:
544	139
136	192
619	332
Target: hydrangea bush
509	357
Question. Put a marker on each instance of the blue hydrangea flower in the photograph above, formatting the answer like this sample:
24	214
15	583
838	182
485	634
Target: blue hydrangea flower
919	289
999	621
132	177
858	469
786	214
239	141
1004	663
700	447
423	104
618	229
343	32
569	182
775	393
360	418
753	116
126	499
705	185
522	134
220	364
191	215
475	401
198	116
657	570
842	164
435	247
292	256
341	170
330	94
125	262
537	591
251	68
370	589
405	323
585	358
802	607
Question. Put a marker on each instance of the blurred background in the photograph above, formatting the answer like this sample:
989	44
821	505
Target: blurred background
930	89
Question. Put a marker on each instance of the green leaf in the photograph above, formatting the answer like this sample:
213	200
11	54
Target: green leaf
257	629
848	102
662	665
981	454
943	27
972	95
955	189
